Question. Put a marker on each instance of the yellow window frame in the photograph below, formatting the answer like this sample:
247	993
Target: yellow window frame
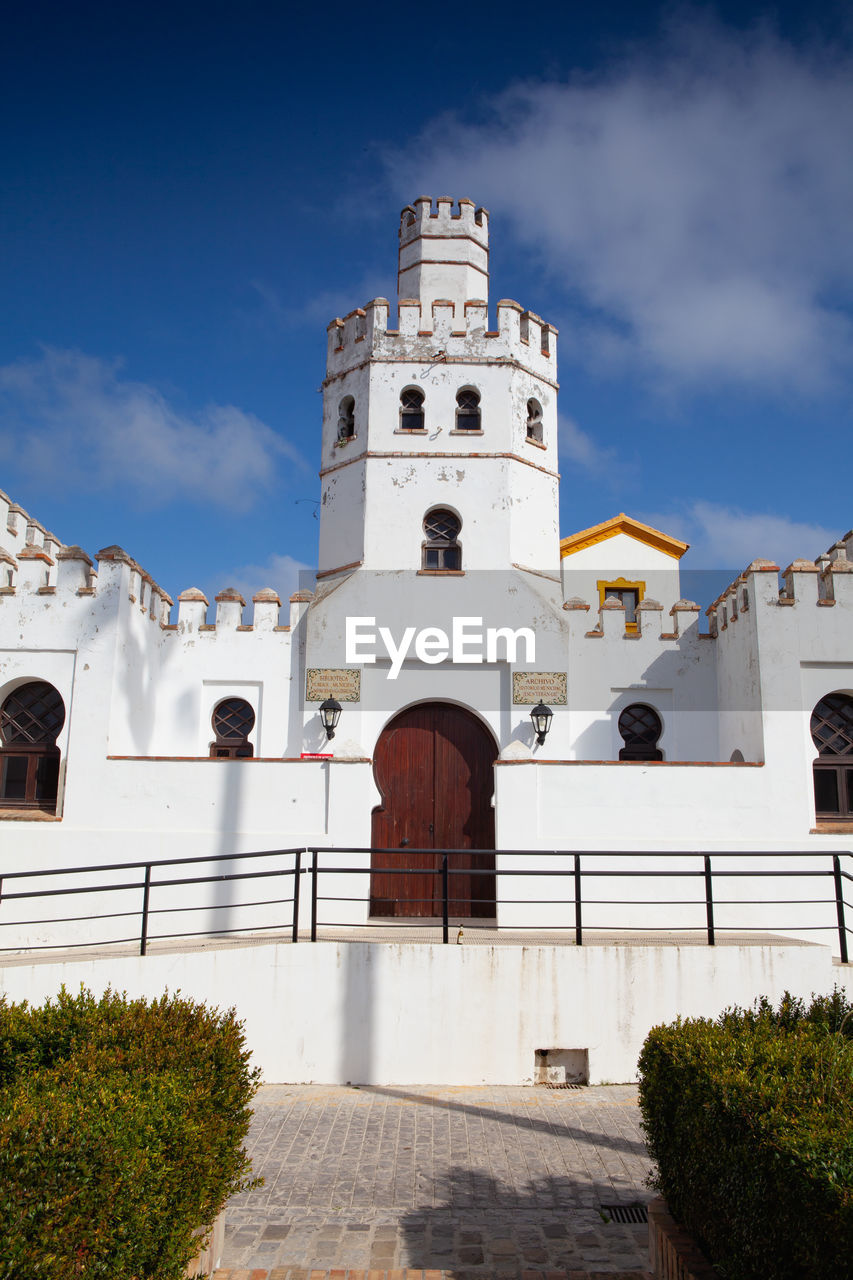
621	584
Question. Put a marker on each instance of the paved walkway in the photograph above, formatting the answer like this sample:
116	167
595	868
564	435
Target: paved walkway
426	1183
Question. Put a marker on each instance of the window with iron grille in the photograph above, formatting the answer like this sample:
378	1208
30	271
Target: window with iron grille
534	421
441	548
412	410
640	728
832	733
468	410
233	721
31	719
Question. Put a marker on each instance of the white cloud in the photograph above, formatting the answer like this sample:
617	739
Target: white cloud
729	538
578	447
694	200
75	417
281	572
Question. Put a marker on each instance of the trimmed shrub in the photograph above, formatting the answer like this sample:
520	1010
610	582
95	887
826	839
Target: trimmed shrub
121	1134
750	1121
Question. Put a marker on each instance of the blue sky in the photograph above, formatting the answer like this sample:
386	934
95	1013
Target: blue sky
191	192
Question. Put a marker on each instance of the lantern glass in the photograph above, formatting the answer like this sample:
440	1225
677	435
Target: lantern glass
541	717
330	714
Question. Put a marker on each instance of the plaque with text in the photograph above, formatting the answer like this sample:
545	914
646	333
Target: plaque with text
342	683
530	687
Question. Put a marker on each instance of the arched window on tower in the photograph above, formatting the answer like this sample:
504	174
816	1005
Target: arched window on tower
346	418
441	549
832	733
412	410
534	421
640	728
31	719
468	410
233	720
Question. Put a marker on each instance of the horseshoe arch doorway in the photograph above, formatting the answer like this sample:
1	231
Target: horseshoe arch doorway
433	766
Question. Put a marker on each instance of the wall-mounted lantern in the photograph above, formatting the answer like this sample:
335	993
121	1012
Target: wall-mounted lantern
541	717
330	714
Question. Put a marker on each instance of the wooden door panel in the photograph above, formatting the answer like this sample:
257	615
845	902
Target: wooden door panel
433	767
464	783
404	772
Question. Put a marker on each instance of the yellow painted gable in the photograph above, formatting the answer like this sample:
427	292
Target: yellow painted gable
623	524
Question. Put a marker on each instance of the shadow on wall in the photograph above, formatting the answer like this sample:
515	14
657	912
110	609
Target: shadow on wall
357	1023
227	819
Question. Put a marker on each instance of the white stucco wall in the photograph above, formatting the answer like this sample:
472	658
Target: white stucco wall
399	1014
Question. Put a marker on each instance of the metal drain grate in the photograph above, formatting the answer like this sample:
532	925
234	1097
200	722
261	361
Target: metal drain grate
562	1084
626	1212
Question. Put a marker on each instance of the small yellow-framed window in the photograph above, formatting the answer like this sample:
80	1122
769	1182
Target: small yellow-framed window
628	593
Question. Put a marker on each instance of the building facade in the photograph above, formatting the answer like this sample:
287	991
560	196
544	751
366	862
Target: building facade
446	608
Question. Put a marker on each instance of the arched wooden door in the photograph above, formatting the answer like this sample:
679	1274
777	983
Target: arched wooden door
433	767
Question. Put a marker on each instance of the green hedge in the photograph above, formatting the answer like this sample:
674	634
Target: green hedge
121	1133
750	1121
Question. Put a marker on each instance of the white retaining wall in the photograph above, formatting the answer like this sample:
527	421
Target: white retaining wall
389	1013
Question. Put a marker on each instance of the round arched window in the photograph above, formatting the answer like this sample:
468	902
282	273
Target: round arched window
441	549
832	733
412	409
468	410
31	719
233	721
640	728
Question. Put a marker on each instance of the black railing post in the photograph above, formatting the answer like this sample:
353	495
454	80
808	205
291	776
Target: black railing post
839	906
578	913
146	892
297	876
709	901
314	869
445	904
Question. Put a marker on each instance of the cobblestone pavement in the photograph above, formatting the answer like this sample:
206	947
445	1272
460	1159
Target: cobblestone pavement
470	1182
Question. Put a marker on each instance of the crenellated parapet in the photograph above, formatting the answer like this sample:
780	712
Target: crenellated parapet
437	333
140	588
445	218
805	584
650	623
231	619
19	530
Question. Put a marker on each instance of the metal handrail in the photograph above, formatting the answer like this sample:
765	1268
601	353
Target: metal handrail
577	870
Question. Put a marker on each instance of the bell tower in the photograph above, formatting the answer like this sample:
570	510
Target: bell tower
444	255
440	414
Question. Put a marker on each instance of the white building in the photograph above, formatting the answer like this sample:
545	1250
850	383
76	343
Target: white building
445	607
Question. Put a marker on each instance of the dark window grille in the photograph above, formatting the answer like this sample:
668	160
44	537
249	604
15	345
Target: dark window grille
640	728
441	549
468	410
233	721
31	718
832	733
412	410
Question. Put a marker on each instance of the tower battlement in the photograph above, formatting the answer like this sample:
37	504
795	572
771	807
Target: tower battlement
444	217
805	584
444	252
438	330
